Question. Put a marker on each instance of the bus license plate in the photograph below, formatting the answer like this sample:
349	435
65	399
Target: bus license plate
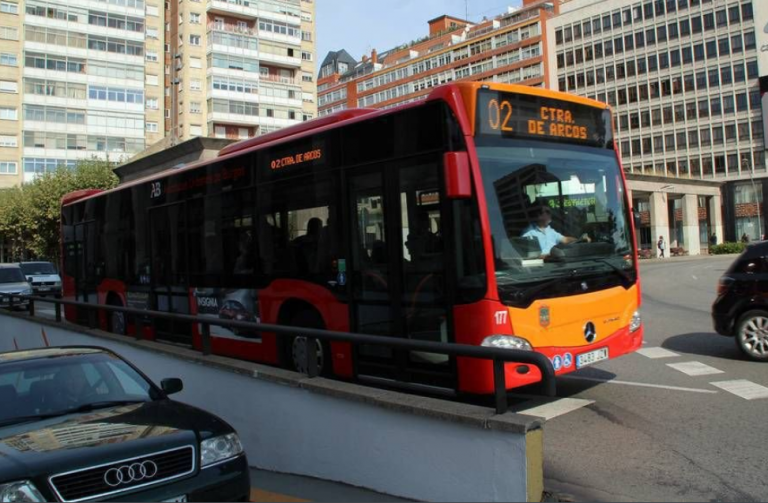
591	358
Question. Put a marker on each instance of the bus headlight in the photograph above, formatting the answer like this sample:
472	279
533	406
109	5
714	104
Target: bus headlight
507	342
636	322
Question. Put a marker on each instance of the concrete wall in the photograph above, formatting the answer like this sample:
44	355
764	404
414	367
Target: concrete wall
407	446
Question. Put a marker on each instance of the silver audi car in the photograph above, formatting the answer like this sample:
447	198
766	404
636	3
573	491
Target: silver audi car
13	283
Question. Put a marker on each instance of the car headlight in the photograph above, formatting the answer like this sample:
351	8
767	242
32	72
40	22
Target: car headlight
636	322
507	342
20	492
28	291
218	449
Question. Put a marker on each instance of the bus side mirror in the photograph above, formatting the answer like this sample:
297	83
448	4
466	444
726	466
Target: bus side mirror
458	179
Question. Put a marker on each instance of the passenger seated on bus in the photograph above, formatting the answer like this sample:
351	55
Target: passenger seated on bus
245	261
306	247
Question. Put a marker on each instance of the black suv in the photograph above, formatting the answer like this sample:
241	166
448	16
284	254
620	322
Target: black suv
81	424
741	308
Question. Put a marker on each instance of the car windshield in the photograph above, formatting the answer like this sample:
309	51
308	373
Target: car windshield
11	275
556	212
37	268
59	385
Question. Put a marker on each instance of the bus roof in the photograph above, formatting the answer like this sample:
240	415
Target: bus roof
467	90
297	129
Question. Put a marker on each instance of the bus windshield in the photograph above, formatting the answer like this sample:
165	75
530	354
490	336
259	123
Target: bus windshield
558	217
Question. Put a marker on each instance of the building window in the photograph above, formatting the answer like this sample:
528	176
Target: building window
306	56
7	86
9	7
9	114
152	80
195	62
151	56
151	127
194	40
195	85
152	103
9	33
7	59
9	168
307	77
194	18
195	130
151	32
9	141
194	107
153	10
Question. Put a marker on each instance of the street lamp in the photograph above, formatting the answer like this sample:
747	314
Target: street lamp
745	165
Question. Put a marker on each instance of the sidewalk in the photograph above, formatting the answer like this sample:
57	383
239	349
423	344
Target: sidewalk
279	487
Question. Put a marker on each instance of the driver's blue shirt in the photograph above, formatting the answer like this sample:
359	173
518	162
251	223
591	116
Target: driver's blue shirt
548	238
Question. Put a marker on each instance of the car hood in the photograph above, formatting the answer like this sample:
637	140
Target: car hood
103	436
14	287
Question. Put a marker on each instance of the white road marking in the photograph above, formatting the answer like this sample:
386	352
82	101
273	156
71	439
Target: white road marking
695	369
655	353
743	388
641	384
694	277
557	408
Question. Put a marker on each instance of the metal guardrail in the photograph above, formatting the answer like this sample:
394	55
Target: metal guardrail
498	356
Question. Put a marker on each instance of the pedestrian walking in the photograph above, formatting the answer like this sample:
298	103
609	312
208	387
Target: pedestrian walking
661	246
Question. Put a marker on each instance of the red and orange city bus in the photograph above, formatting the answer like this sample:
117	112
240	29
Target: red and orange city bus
486	214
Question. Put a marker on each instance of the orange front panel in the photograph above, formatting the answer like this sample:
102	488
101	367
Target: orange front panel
560	322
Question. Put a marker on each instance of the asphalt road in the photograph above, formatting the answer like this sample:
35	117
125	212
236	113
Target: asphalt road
681	438
636	429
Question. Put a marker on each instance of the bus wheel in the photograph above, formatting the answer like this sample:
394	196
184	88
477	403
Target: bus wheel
297	347
117	323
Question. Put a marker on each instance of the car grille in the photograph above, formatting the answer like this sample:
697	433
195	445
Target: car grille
43	283
99	481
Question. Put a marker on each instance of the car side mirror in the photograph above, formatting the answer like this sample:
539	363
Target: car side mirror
172	386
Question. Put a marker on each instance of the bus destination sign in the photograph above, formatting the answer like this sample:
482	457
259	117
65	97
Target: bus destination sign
512	115
293	160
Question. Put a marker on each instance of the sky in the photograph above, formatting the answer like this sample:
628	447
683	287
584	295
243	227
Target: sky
362	25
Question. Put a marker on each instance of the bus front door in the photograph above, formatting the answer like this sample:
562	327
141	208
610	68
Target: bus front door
398	270
169	270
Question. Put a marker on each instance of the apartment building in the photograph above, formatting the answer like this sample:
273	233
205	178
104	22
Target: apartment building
78	78
238	68
683	78
508	48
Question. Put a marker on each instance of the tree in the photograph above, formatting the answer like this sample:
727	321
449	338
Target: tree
30	216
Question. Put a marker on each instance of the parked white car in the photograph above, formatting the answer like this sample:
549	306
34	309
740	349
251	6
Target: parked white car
43	276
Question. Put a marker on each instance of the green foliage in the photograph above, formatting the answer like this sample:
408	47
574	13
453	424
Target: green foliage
30	215
727	248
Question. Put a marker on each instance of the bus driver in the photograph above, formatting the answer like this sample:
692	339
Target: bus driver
548	237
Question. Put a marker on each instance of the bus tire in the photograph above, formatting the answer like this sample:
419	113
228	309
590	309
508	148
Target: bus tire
117	323
297	345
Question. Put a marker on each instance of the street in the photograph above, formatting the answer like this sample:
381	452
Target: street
654	426
654	432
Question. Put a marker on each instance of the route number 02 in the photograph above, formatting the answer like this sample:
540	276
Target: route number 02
499	115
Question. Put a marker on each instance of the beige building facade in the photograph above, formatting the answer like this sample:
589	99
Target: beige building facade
109	78
239	68
77	80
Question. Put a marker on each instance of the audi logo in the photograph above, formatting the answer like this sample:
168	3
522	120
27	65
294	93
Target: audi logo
135	472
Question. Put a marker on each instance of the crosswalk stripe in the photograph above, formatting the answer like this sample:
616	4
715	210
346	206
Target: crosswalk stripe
695	369
557	408
743	389
655	353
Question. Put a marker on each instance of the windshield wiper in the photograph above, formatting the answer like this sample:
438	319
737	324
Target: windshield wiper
522	294
83	408
618	270
103	405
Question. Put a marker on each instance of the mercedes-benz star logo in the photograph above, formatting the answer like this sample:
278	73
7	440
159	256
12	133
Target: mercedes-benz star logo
135	472
590	332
